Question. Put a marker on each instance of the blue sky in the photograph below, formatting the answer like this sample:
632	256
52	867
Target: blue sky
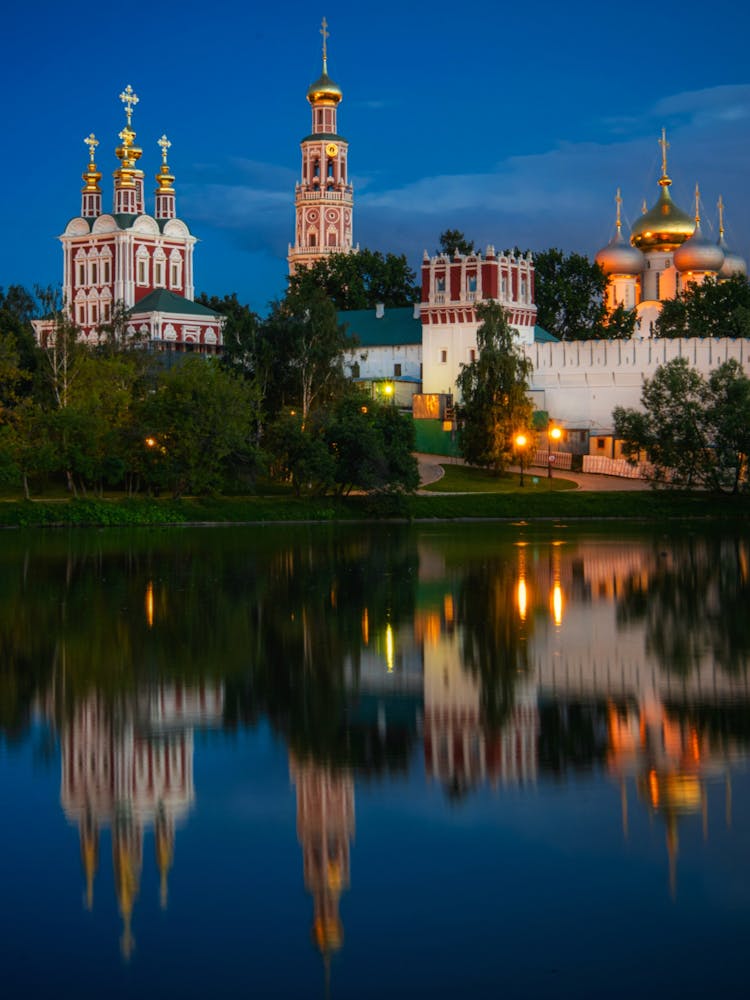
516	128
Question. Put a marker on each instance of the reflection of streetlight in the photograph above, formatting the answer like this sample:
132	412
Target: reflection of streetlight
520	442
553	434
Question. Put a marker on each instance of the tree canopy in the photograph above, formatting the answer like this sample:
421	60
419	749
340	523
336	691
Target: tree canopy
711	309
494	402
570	299
694	431
453	241
358	280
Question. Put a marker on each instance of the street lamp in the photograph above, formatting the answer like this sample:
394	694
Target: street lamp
553	434
520	442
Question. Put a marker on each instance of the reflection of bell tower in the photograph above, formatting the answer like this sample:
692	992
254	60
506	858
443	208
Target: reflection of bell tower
127	857
325	825
323	200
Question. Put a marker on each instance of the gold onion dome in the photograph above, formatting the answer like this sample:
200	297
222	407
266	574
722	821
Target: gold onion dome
618	257
699	253
665	226
324	90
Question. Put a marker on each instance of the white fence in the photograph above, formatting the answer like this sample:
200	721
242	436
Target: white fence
615	467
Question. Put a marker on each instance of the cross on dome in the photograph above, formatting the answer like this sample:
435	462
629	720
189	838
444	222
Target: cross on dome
92	142
129	99
664	147
165	144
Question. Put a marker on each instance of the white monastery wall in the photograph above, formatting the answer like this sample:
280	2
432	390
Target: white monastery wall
579	383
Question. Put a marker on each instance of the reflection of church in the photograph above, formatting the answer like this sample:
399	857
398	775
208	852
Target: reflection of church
130	768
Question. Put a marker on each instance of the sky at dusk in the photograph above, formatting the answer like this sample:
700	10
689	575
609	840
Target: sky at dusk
515	123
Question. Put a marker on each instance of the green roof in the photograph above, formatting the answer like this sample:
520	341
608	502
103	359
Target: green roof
325	136
163	301
123	220
542	336
397	327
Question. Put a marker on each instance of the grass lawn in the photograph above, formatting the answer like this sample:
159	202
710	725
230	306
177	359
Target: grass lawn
464	479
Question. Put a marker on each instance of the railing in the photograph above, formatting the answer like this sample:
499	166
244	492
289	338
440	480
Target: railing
615	467
562	459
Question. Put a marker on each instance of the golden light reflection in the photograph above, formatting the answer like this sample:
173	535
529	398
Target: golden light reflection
522	599
150	603
389	646
653	788
557	604
448	609
365	628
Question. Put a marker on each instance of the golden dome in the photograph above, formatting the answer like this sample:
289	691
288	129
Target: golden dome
665	226
324	90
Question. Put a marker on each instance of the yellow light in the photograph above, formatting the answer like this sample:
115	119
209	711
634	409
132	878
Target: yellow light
388	389
557	604
150	442
363	409
522	597
150	604
520	440
365	628
389	648
555	433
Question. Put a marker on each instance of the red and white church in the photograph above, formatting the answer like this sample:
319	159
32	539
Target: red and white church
129	267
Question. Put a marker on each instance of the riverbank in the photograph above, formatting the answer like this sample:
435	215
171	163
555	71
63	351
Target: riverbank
517	505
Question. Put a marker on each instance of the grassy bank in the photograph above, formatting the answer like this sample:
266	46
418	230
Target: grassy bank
515	505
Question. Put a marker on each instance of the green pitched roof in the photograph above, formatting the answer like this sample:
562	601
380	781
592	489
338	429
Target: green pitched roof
542	336
161	300
396	328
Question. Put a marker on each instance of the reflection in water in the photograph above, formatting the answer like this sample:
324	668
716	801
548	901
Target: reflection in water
494	663
129	768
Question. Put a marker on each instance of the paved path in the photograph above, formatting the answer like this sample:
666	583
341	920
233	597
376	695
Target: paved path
431	469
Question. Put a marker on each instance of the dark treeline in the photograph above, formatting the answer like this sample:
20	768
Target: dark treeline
117	416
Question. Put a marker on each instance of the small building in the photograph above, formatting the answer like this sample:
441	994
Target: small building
387	360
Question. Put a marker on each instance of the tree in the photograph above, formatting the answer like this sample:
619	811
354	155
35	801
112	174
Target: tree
712	309
570	299
308	343
494	402
197	427
728	417
358	280
695	432
453	241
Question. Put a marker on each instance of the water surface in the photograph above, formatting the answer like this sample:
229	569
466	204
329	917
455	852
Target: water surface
356	762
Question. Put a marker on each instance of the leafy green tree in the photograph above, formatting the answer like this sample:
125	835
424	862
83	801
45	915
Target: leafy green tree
372	444
728	417
298	453
453	241
198	426
493	388
570	298
358	280
695	432
17	309
309	345
712	309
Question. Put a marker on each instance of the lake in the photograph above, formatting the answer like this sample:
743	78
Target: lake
468	760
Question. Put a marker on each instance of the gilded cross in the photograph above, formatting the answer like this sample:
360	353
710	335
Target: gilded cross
129	99
618	202
92	142
720	206
697	205
326	35
165	145
664	147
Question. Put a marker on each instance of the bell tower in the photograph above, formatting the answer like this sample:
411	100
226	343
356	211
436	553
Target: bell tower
323	198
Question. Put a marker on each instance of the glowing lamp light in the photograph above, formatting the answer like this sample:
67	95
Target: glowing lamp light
150	442
520	440
555	433
150	604
388	389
